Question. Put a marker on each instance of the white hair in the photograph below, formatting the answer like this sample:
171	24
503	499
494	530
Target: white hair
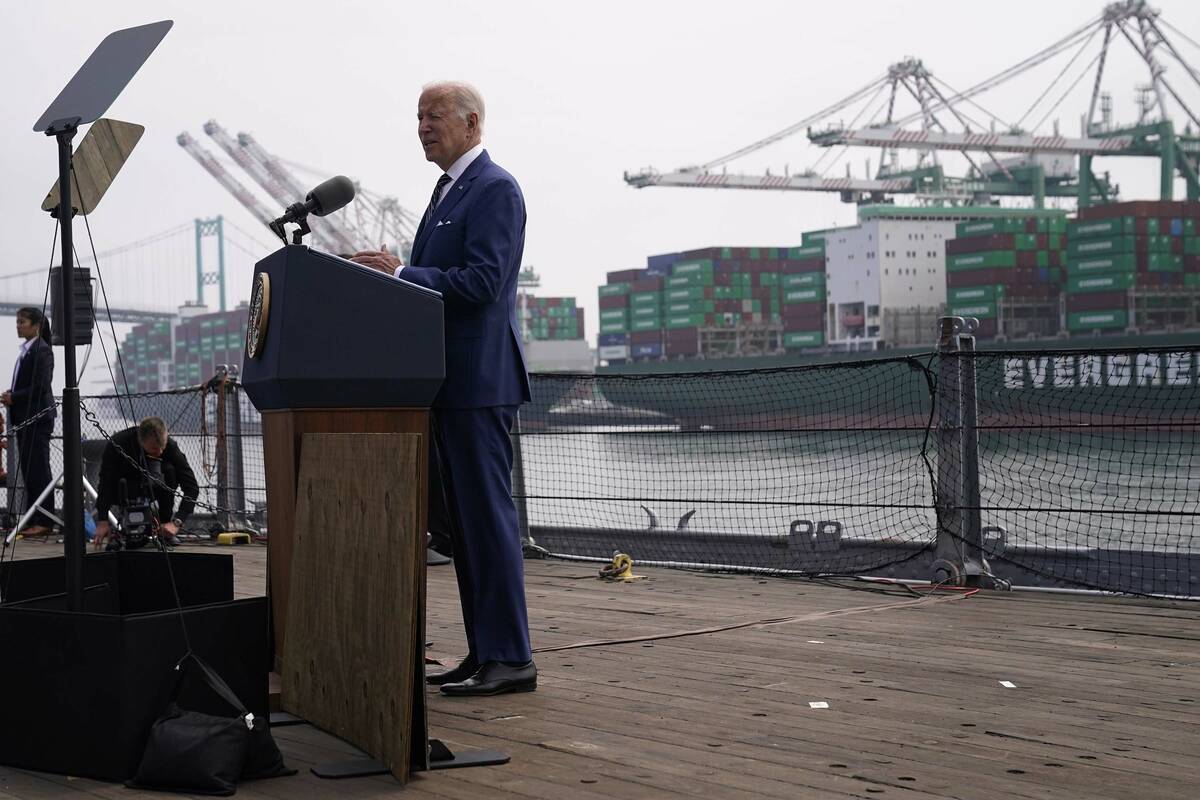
466	98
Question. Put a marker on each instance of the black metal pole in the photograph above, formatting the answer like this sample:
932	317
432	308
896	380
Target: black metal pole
72	448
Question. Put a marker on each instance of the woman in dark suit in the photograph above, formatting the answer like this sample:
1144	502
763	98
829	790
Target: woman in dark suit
31	411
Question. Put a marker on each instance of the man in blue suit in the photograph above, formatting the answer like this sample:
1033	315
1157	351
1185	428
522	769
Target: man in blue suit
468	247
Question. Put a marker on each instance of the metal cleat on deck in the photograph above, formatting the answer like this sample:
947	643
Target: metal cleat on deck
621	569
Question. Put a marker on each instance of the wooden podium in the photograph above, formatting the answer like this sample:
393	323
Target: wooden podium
343	363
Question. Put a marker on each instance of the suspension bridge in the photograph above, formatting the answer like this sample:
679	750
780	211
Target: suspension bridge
208	261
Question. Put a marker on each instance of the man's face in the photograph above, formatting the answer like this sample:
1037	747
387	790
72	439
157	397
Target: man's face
154	448
443	132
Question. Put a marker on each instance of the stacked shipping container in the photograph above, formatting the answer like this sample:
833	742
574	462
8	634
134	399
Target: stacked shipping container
1113	249
551	318
991	261
660	311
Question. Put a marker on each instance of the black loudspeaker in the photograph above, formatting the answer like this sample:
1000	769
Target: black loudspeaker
85	314
83	688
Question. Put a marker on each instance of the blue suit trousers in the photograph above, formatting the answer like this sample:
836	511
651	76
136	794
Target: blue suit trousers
475	455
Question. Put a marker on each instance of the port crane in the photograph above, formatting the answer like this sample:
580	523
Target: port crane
1045	165
376	218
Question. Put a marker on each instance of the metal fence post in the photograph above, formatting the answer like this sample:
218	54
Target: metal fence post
236	456
528	545
959	548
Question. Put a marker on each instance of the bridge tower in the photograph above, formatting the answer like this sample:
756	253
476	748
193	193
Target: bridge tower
210	227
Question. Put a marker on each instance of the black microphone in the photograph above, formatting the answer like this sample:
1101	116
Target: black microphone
326	198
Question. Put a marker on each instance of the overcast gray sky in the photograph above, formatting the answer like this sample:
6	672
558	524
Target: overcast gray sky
576	92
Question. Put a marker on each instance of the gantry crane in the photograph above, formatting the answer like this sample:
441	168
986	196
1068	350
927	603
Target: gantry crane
376	218
1046	165
231	184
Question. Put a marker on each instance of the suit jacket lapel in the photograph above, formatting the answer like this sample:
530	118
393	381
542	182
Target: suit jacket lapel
457	192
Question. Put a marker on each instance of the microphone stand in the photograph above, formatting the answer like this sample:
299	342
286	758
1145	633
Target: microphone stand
297	235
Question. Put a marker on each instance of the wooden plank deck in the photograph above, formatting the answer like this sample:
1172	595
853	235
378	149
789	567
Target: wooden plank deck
1105	704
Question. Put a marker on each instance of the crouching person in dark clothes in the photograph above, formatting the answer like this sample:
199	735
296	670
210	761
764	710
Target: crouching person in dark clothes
140	471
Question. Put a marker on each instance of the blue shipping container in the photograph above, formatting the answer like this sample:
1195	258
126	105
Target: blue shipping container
647	350
1177	227
612	339
661	264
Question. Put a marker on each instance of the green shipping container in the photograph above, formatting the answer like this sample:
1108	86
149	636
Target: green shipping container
1096	320
728	293
703	278
980	310
815	295
803	279
807	251
1101	228
641	312
1191	245
794	339
1025	241
689	307
610	289
1164	262
675	295
614	327
1116	244
692	267
1125	262
976	294
684	321
987	227
985	260
1191	279
647	324
1102	282
645	299
813	237
768	279
611	314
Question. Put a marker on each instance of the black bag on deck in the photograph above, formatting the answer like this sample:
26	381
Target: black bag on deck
188	751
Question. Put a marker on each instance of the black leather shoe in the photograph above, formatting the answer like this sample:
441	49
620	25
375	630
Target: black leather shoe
466	669
495	678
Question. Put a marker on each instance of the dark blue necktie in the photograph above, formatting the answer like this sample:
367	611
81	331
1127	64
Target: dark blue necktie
437	193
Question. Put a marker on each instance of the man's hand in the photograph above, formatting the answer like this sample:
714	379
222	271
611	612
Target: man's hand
6	398
169	528
103	530
379	259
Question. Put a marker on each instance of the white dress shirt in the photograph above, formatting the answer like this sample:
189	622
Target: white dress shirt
455	172
22	349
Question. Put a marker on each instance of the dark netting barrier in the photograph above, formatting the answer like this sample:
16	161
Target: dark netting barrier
813	470
1089	470
1071	469
224	449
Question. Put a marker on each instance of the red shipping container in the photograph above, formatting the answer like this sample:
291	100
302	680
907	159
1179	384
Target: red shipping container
703	252
625	275
987	329
1035	291
680	334
1096	301
650	283
723	279
615	301
646	337
1031	226
727	306
1191	263
793	266
579	320
978	244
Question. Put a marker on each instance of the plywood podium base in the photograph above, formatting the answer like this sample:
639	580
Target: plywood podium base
347	522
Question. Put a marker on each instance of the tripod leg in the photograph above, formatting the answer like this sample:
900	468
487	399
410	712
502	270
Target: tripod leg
34	507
